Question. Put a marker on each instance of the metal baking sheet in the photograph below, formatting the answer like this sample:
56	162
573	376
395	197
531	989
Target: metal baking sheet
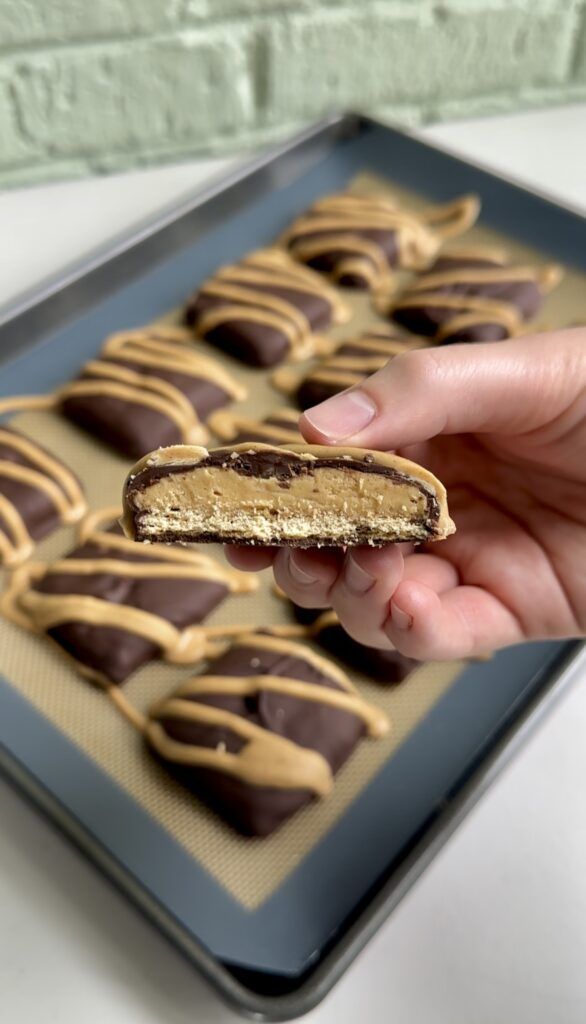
278	959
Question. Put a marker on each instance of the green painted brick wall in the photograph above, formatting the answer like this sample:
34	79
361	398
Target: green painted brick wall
96	85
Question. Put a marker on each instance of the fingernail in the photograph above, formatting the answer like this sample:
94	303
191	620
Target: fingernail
298	574
400	619
357	580
343	415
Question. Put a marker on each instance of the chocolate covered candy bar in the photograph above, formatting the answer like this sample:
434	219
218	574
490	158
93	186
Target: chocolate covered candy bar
277	427
265	309
113	606
356	239
325	628
38	493
148	387
303	495
351	363
263	732
473	295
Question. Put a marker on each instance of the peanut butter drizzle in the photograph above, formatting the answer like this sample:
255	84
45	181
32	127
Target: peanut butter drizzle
39	612
347	370
473	310
26	403
113	381
275	267
123	705
365	258
227	425
341	218
267	268
266	759
170	348
151	348
17	544
48	475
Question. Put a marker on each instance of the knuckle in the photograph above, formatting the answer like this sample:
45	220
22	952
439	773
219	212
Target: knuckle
418	369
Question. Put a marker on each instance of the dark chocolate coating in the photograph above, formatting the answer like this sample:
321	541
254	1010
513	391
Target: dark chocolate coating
252	343
134	429
260	810
272	420
34	506
312	391
204	395
255	343
524	296
383	666
130	428
350	348
326	262
117	653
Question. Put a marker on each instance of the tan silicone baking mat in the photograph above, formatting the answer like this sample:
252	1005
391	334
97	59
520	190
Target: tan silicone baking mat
249	869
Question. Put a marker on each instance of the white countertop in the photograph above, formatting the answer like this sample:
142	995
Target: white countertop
494	932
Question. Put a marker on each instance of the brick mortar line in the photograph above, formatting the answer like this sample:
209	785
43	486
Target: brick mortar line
144	158
120	42
250	22
578	42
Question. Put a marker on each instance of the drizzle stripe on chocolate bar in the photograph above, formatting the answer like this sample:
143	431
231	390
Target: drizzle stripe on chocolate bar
365	355
266	758
149	349
118	382
48	475
278	427
170	348
268	268
39	612
342	221
473	309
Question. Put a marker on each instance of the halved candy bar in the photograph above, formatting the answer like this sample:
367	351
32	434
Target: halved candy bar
265	309
325	628
148	387
473	295
303	495
113	606
277	427
356	239
38	493
351	363
263	732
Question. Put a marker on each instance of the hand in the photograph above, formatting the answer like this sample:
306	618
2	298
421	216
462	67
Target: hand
503	425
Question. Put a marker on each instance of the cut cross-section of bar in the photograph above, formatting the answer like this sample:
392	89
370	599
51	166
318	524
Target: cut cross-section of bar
302	495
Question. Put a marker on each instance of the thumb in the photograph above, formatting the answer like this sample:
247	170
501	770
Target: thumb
502	387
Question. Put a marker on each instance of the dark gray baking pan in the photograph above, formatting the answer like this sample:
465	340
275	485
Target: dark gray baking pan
278	961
